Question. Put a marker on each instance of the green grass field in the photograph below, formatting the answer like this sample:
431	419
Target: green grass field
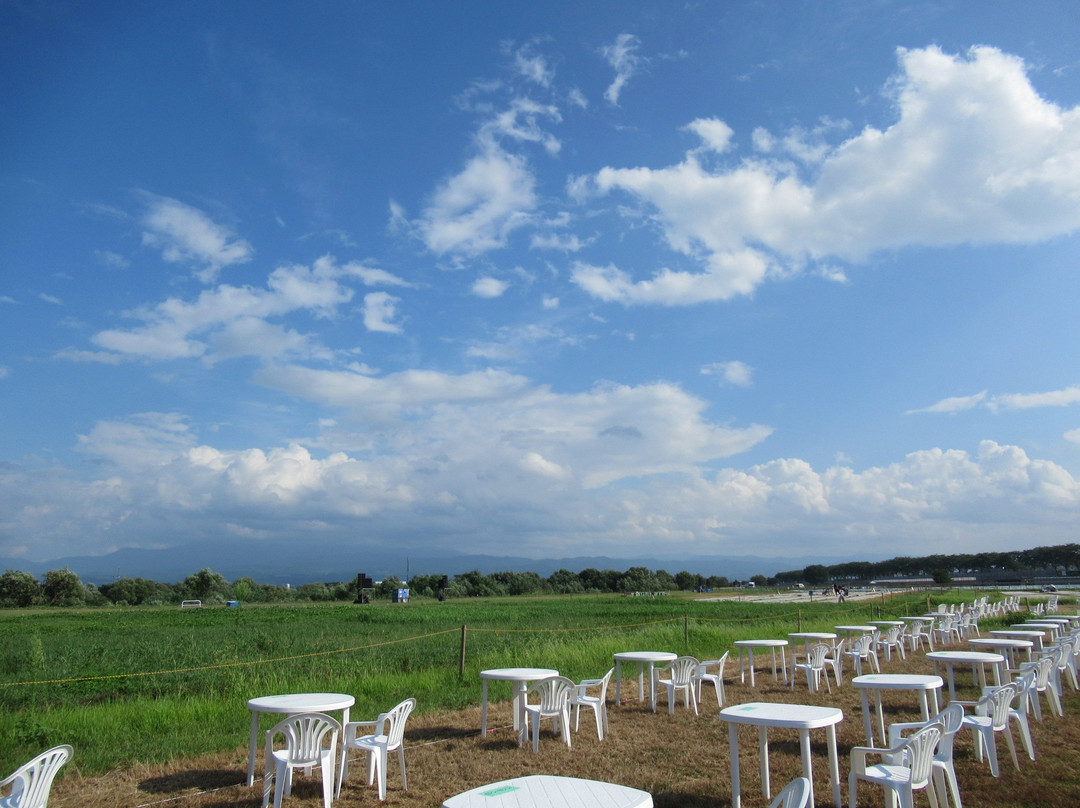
152	684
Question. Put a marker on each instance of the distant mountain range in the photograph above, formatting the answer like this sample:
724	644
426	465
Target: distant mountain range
290	563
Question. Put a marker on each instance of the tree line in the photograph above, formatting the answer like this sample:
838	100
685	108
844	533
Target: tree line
63	588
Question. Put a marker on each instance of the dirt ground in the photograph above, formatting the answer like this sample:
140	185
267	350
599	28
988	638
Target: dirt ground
681	759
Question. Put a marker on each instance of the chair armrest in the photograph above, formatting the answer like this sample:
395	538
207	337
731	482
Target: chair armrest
349	730
858	757
895	730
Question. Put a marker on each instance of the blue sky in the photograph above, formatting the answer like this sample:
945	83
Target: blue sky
770	278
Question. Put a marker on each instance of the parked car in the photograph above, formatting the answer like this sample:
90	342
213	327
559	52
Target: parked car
1049	588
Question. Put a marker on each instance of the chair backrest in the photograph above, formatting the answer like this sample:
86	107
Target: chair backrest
305	734
795	794
395	723
862	645
996	704
892	637
683	669
817	654
919	750
553	692
1025	686
31	782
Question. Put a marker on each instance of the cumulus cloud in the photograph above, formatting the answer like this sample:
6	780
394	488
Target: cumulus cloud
974	156
187	235
1027	401
477	209
735	372
380	309
231	319
623	57
489	287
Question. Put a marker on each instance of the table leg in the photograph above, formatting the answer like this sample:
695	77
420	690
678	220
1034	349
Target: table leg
924	705
641	681
783	664
253	744
867	725
520	689
618	681
880	720
652	687
733	750
483	711
807	767
763	753
750	654
997	673
834	763
742	674
934	700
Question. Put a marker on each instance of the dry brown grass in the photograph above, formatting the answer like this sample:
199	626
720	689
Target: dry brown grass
682	760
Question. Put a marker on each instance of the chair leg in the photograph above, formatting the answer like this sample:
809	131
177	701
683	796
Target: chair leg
327	783
401	759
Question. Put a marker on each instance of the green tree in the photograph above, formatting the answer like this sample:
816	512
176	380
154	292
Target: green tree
63	588
942	577
18	588
564	581
206	585
816	574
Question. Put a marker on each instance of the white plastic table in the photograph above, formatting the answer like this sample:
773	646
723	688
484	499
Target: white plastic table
926	686
643	659
521	678
811	638
977	659
291	704
549	791
1006	646
1042	625
1034	635
854	631
746	647
790	716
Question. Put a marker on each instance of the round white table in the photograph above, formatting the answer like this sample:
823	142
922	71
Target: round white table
521	678
292	704
643	659
792	716
926	686
746	647
1034	635
550	791
977	659
1006	646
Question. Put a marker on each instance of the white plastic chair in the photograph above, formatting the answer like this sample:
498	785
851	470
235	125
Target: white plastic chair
597	701
889	641
305	747
704	674
680	676
835	660
554	694
1018	709
813	668
1043	666
911	772
795	794
387	737
915	635
31	783
991	717
944	773
863	651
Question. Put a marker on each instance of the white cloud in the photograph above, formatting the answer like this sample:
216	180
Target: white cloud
489	287
51	299
537	464
622	56
1027	401
975	155
533	67
225	317
143	440
380	309
476	210
1073	436
715	133
735	372
187	235
954	404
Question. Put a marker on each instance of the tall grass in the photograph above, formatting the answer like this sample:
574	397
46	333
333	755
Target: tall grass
151	684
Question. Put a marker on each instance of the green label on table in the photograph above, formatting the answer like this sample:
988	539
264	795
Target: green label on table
498	792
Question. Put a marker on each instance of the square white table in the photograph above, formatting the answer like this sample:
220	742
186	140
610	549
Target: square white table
292	704
748	646
801	717
643	659
549	791
521	678
926	686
